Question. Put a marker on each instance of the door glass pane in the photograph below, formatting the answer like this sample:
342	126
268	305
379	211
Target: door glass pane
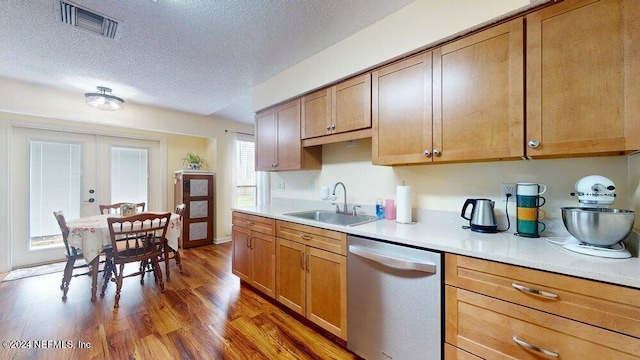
129	174
54	184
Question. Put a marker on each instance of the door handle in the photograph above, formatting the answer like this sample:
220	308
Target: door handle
90	200
392	260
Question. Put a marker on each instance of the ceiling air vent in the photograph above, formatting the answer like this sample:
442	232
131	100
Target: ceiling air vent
84	18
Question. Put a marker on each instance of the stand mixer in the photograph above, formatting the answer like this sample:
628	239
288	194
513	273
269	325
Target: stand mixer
595	191
597	230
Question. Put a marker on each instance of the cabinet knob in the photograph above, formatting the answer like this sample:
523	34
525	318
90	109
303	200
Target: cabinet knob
274	165
328	127
427	153
436	152
534	143
333	127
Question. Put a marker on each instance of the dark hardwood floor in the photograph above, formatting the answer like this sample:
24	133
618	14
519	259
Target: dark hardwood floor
204	314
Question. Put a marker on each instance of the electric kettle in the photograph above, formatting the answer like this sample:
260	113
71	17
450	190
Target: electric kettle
482	217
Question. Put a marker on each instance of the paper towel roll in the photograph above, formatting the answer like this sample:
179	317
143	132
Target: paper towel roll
403	204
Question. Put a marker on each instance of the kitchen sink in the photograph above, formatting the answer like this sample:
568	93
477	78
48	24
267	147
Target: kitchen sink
332	217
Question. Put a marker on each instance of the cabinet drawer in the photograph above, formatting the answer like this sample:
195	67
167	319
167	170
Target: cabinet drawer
255	223
453	353
490	327
609	306
329	240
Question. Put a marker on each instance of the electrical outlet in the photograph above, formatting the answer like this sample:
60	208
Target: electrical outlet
509	188
312	186
281	185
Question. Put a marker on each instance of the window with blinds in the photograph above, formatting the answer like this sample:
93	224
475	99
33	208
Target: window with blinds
246	181
129	175
55	183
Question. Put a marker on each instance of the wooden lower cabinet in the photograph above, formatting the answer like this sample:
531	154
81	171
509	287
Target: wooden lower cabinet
453	353
253	252
499	311
290	272
496	329
312	281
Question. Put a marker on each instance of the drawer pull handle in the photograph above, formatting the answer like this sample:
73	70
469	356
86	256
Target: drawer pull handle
305	237
545	294
534	348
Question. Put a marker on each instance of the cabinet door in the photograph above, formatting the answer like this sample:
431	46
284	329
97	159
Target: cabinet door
632	73
575	78
266	140
402	111
290	286
316	114
263	259
289	146
478	96
241	253
351	100
327	291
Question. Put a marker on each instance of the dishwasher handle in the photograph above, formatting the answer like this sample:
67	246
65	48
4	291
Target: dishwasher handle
392	260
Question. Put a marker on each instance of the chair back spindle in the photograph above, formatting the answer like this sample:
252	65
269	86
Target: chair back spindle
115	208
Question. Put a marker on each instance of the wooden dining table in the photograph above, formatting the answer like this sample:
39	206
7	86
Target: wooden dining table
91	234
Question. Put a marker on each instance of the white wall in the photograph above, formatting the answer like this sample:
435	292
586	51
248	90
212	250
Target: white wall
446	186
415	26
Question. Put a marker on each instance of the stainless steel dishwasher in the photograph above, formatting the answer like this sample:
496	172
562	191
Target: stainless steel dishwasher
394	301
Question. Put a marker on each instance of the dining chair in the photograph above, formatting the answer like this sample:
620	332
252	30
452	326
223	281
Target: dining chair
138	238
115	208
72	254
170	253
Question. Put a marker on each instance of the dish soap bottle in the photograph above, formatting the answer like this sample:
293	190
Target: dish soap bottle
379	209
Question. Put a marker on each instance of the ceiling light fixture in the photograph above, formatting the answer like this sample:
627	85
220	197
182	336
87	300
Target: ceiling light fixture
103	100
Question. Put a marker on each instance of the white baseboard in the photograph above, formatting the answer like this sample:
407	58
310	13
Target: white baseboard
222	240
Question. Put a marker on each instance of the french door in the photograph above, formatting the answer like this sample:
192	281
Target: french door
72	172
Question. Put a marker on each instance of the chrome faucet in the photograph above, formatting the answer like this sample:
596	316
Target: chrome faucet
345	209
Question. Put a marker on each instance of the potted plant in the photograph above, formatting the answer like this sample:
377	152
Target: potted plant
194	161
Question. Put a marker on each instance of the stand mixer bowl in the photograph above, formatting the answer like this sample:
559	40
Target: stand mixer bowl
602	227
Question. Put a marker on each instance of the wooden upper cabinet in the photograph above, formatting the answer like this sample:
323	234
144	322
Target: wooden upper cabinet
316	114
351	104
266	140
340	108
402	111
583	78
478	96
476	93
278	144
289	148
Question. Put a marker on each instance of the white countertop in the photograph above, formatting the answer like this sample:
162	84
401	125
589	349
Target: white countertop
443	231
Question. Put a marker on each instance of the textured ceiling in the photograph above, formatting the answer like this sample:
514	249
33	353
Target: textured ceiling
201	57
